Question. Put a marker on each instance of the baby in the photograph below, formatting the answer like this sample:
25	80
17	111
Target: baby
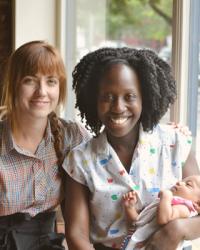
181	201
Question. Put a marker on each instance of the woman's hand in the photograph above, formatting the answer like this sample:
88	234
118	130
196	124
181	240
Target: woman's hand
182	128
167	237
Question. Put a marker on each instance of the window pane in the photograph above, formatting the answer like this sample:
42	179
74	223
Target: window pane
194	75
124	23
198	110
133	23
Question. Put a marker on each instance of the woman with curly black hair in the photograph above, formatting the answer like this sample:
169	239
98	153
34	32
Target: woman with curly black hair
122	95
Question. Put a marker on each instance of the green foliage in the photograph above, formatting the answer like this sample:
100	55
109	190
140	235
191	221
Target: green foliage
137	18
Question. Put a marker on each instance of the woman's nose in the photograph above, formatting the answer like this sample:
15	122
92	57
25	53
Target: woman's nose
118	105
42	87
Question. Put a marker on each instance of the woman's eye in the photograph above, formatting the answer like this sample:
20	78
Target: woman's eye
130	97
52	82
29	81
107	98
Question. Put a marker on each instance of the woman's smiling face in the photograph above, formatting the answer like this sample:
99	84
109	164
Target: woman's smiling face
38	95
119	100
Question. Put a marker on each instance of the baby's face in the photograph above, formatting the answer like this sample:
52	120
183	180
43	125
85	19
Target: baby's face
188	188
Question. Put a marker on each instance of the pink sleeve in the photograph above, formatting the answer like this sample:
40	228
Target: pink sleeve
181	201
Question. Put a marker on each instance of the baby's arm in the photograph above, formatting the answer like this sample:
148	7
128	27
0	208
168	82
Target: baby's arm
167	212
129	201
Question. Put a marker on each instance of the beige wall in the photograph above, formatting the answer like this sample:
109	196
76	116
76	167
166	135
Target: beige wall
35	20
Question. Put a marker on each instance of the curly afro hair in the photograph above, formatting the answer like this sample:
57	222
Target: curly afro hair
155	76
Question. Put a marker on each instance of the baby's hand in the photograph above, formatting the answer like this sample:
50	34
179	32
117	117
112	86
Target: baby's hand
130	198
129	201
165	194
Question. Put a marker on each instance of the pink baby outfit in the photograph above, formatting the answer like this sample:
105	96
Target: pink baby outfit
147	224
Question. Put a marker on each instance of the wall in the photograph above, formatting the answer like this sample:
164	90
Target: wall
34	20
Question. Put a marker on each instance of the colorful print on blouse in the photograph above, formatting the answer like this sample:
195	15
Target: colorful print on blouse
156	164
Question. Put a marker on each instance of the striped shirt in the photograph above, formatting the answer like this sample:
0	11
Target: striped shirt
31	183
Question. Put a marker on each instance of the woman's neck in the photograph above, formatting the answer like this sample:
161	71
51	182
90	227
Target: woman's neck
125	146
128	141
28	133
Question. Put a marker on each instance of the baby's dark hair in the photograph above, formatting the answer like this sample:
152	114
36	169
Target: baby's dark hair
155	77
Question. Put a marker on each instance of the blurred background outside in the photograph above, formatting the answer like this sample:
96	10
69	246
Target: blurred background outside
133	23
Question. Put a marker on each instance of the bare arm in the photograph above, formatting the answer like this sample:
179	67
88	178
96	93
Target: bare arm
167	212
171	234
76	216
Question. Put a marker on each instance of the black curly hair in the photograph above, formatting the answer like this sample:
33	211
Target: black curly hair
157	83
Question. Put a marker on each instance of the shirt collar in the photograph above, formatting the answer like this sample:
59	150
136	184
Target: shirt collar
48	136
103	144
6	140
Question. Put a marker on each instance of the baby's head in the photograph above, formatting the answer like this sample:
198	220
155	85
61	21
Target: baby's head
188	188
154	76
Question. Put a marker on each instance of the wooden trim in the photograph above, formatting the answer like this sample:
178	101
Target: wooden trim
180	48
6	35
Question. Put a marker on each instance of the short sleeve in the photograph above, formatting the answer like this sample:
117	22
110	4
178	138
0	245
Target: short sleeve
76	165
75	134
182	143
81	133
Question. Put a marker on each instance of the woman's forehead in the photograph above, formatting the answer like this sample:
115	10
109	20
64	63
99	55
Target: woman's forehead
41	71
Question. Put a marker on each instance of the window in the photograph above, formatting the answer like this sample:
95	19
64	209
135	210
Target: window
133	23
124	23
194	75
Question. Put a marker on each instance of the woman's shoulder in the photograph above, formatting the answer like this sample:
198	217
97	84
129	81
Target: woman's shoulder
73	127
93	146
84	154
74	132
172	132
69	122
